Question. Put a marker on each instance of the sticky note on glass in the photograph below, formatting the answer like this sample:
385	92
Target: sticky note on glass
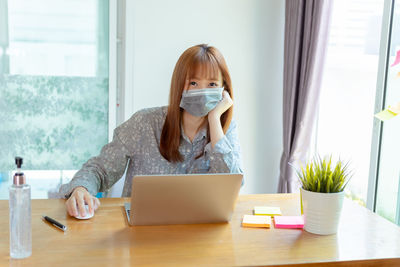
395	109
256	221
289	222
268	211
397	59
385	115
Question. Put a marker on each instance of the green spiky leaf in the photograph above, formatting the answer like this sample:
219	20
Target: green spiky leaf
321	175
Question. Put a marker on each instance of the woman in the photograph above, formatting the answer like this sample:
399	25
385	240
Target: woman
193	134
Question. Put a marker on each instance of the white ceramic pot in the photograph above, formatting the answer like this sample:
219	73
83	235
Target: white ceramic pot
321	211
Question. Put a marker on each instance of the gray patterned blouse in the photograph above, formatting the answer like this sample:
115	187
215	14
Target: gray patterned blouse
136	143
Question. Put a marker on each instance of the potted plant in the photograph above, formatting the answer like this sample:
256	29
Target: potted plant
322	194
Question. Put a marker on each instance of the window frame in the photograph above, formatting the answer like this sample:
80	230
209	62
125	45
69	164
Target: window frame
112	70
381	85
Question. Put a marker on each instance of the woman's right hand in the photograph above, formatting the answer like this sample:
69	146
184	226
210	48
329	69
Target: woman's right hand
76	202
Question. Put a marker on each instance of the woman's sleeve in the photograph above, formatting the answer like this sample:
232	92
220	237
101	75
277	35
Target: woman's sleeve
225	157
101	172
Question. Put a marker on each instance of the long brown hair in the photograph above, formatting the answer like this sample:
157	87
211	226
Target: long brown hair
200	56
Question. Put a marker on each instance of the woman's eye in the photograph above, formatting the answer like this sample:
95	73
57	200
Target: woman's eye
193	83
213	84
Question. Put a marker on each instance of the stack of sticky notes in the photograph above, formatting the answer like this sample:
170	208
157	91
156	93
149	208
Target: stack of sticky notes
267	211
289	222
256	221
263	216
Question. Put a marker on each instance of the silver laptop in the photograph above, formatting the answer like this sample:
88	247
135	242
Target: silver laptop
183	199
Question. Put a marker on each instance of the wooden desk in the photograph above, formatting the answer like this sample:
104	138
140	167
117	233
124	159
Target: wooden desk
106	240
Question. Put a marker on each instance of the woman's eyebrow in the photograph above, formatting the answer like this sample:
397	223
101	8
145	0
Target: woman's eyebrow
210	80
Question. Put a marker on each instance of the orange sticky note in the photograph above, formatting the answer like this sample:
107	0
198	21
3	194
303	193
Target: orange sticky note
256	221
267	211
289	222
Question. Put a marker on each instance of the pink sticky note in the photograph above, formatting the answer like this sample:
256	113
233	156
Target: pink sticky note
289	221
397	60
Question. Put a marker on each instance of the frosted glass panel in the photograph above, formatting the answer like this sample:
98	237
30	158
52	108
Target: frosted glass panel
55	123
53	86
56	37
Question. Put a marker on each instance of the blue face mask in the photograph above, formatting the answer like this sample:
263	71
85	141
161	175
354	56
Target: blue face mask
199	102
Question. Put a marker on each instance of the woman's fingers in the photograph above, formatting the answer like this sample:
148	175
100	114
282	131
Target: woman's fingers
89	201
227	98
71	204
76	203
96	203
81	204
223	105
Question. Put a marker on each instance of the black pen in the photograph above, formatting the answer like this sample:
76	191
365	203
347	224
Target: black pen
55	223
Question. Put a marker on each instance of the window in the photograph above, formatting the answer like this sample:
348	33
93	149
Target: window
54	84
388	174
348	88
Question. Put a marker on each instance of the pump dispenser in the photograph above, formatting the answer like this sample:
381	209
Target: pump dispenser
20	215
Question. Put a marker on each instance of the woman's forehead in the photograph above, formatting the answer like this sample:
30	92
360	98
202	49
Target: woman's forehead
205	71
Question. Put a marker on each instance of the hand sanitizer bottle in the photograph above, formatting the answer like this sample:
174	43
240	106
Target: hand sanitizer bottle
20	215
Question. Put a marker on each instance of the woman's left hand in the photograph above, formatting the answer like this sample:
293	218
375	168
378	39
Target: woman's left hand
222	106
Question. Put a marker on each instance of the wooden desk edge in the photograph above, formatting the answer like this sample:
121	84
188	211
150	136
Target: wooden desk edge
384	262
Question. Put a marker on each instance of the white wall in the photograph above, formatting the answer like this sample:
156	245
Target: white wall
249	33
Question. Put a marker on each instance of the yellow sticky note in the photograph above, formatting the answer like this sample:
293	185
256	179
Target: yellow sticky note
256	221
398	74
269	211
385	115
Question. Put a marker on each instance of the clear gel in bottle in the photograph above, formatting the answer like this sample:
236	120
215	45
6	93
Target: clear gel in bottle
20	215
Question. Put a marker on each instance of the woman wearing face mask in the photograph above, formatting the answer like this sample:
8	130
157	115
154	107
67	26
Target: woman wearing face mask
195	133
